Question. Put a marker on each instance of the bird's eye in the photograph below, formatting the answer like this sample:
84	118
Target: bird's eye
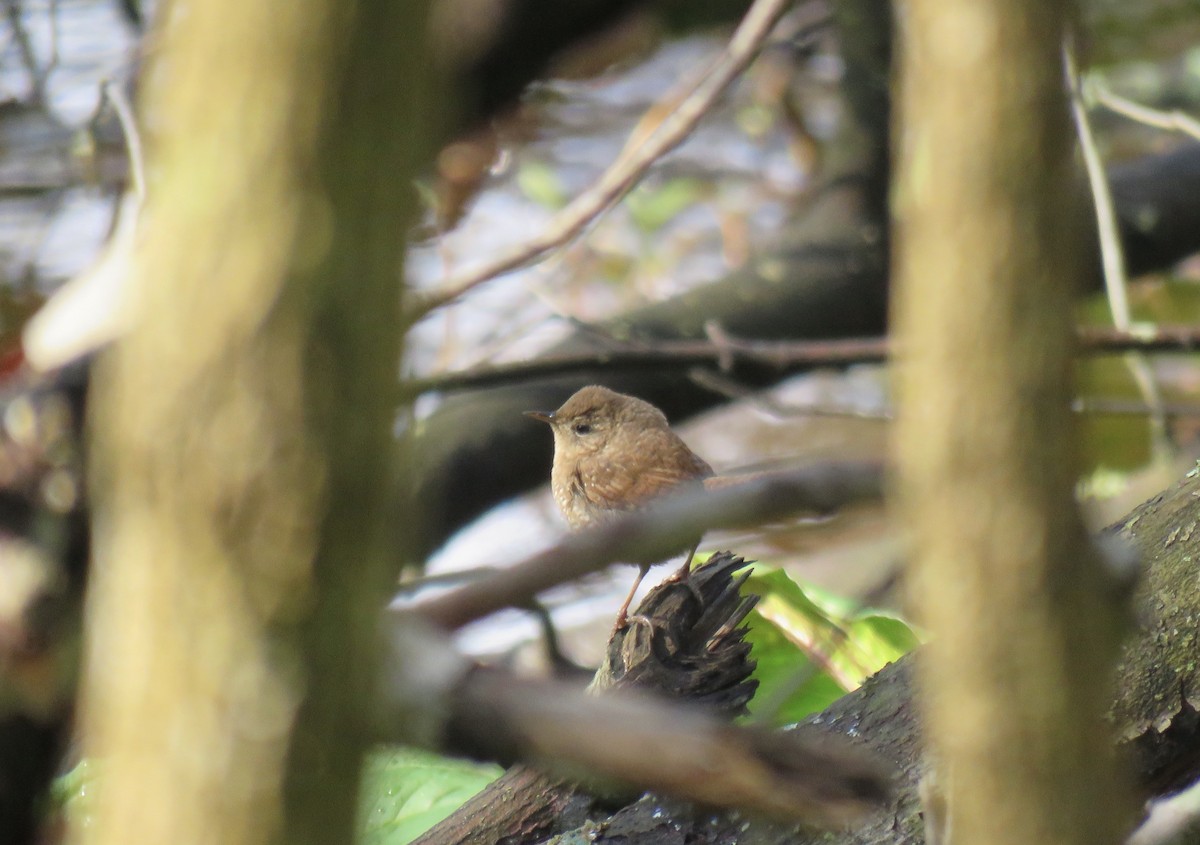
582	428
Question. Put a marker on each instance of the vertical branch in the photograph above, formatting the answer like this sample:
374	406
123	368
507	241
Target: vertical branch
1112	255
242	428
988	263
1116	280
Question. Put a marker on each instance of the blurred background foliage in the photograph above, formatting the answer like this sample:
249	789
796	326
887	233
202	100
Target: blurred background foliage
701	213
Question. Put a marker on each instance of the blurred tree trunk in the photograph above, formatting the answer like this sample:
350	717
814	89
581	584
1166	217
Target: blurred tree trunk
239	479
988	255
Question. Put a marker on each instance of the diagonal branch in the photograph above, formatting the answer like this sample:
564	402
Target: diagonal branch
658	533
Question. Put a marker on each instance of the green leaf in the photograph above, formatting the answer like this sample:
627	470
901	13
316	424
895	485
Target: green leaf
792	624
74	794
875	641
406	792
779	662
541	184
653	208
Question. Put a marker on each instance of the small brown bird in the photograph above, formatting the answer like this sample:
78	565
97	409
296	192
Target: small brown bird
615	453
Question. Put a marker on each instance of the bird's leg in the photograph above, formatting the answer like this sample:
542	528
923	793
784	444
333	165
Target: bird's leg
682	572
682	575
623	613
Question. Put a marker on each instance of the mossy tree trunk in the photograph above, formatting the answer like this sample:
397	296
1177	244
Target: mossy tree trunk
245	532
1024	634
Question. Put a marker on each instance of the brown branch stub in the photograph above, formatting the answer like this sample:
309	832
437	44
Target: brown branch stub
705	658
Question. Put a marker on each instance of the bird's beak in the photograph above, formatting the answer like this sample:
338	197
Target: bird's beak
544	416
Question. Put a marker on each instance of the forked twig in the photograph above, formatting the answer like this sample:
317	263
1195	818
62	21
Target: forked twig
1174	120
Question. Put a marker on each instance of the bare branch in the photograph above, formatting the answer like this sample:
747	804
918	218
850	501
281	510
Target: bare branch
781	355
37	76
1115	280
1174	120
784	356
1112	254
114	92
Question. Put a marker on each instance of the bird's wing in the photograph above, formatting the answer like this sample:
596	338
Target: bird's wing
617	487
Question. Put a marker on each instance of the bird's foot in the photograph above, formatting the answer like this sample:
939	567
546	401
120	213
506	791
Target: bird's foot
637	619
682	576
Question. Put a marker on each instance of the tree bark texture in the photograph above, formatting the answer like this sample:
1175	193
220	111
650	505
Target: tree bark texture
1021	615
240	484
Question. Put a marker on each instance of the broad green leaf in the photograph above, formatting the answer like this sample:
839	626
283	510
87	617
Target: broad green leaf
653	208
792	625
406	792
779	664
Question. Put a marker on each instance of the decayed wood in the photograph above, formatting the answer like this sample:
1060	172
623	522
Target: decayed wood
699	656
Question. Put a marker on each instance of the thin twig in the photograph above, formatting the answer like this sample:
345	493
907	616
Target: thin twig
736	391
52	64
1174	120
629	167
36	80
783	356
1116	281
133	139
1130	408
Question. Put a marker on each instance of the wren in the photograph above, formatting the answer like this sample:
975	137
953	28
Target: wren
615	453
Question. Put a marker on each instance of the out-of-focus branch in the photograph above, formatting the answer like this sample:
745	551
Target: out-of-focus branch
659	532
783	355
1171	821
1175	120
674	749
683	354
